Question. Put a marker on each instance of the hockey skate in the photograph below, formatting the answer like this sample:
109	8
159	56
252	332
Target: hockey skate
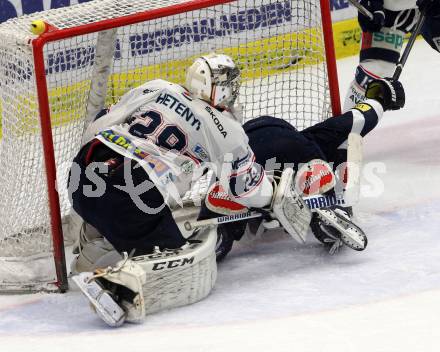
334	227
102	300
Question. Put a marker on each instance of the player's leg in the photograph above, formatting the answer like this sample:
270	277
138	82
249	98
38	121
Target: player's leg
332	137
326	140
380	52
166	271
92	251
331	134
293	147
431	28
275	140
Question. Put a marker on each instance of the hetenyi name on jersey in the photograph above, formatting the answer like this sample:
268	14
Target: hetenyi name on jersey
216	121
179	108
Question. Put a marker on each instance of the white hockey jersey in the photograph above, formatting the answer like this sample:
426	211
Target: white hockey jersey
174	137
398	5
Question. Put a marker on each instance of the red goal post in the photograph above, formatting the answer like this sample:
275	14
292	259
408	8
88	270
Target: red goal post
54	82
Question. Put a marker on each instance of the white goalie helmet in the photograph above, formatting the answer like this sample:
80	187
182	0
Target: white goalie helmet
214	78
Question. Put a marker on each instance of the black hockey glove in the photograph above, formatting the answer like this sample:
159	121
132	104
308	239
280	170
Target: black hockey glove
376	8
430	7
388	92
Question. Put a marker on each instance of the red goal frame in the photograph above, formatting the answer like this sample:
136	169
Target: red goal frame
44	107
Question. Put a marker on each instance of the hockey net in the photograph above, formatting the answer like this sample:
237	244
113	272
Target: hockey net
52	84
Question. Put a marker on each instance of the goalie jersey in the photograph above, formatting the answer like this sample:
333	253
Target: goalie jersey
174	137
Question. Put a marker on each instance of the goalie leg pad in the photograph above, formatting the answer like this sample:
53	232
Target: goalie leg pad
163	279
94	252
290	209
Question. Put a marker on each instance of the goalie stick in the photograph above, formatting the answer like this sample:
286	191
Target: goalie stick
313	202
351	235
409	46
361	9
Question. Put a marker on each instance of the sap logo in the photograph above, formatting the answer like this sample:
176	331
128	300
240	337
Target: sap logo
390	39
172	264
339	4
217	122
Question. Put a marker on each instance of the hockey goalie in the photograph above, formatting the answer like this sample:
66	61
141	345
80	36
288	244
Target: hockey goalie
143	154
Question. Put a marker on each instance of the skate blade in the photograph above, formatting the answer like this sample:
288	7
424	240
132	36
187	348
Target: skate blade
103	304
351	235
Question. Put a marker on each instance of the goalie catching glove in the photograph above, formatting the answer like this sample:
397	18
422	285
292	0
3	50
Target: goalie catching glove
388	92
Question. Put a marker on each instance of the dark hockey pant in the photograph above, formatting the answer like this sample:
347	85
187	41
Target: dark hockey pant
114	214
270	137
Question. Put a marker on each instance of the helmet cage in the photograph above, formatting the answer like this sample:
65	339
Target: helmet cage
226	76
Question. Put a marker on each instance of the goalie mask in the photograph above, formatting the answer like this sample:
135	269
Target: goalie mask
214	78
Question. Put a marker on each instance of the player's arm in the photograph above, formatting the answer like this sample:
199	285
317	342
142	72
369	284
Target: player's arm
247	181
377	22
381	95
331	134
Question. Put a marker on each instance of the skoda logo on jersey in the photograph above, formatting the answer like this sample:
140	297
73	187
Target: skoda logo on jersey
148	91
217	122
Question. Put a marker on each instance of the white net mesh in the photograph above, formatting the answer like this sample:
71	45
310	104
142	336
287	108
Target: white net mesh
277	44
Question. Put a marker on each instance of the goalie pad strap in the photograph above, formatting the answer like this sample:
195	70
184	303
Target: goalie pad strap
290	209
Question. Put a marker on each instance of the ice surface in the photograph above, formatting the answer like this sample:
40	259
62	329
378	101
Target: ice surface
275	295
